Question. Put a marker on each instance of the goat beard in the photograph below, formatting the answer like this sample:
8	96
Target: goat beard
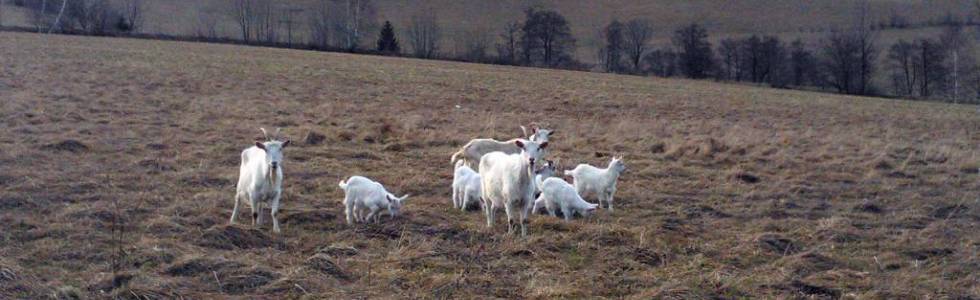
271	175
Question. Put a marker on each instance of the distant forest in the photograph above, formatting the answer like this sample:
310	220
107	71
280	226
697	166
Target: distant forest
850	59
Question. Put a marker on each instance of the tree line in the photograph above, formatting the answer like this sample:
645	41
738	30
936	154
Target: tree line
847	60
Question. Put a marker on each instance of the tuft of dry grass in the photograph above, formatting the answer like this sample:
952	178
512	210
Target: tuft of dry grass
730	192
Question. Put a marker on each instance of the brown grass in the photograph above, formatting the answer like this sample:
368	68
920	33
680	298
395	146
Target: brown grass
731	191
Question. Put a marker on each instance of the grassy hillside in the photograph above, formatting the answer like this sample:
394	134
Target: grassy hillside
731	191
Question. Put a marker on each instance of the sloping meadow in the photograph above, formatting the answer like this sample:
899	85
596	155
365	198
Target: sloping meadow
119	159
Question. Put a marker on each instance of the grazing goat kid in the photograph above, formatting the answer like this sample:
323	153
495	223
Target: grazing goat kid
260	178
558	194
507	181
601	182
361	193
548	170
476	148
466	186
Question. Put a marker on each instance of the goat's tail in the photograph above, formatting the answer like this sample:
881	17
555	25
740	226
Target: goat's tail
343	184
569	172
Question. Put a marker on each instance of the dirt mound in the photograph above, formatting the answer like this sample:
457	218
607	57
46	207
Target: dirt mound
72	146
777	243
697	211
648	257
745	177
338	250
308	217
314	138
697	148
155	166
233	237
813	290
446	232
809	262
950	211
927	253
241	280
869	207
201	265
204	181
323	263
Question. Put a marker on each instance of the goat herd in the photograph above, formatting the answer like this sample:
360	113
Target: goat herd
512	175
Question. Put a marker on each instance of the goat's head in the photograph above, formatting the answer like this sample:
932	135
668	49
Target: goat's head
548	169
617	164
590	209
537	134
273	148
395	204
531	151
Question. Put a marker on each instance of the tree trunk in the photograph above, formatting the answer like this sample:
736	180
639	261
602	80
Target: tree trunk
57	20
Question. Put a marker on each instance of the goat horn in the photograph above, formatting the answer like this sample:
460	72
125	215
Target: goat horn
264	133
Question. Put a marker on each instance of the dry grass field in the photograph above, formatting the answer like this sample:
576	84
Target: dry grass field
731	191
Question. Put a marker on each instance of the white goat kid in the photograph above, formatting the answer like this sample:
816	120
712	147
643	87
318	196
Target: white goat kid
558	194
601	182
260	178
362	194
507	181
466	186
549	169
476	148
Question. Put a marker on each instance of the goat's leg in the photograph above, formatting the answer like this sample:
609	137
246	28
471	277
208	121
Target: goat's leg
455	197
371	214
273	211
255	209
488	210
567	212
511	215
609	199
234	212
524	220
350	212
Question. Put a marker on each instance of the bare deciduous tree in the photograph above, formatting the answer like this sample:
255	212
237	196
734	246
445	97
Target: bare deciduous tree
731	59
244	13
320	24
695	54
613	50
267	22
39	15
507	48
357	18
637	34
475	45
546	38
207	23
902	62
134	15
959	47
424	34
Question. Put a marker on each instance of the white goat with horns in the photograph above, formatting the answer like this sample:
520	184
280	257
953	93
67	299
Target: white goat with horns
476	148
260	178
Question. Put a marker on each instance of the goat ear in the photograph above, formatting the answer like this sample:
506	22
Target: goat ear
519	144
286	143
543	145
260	145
